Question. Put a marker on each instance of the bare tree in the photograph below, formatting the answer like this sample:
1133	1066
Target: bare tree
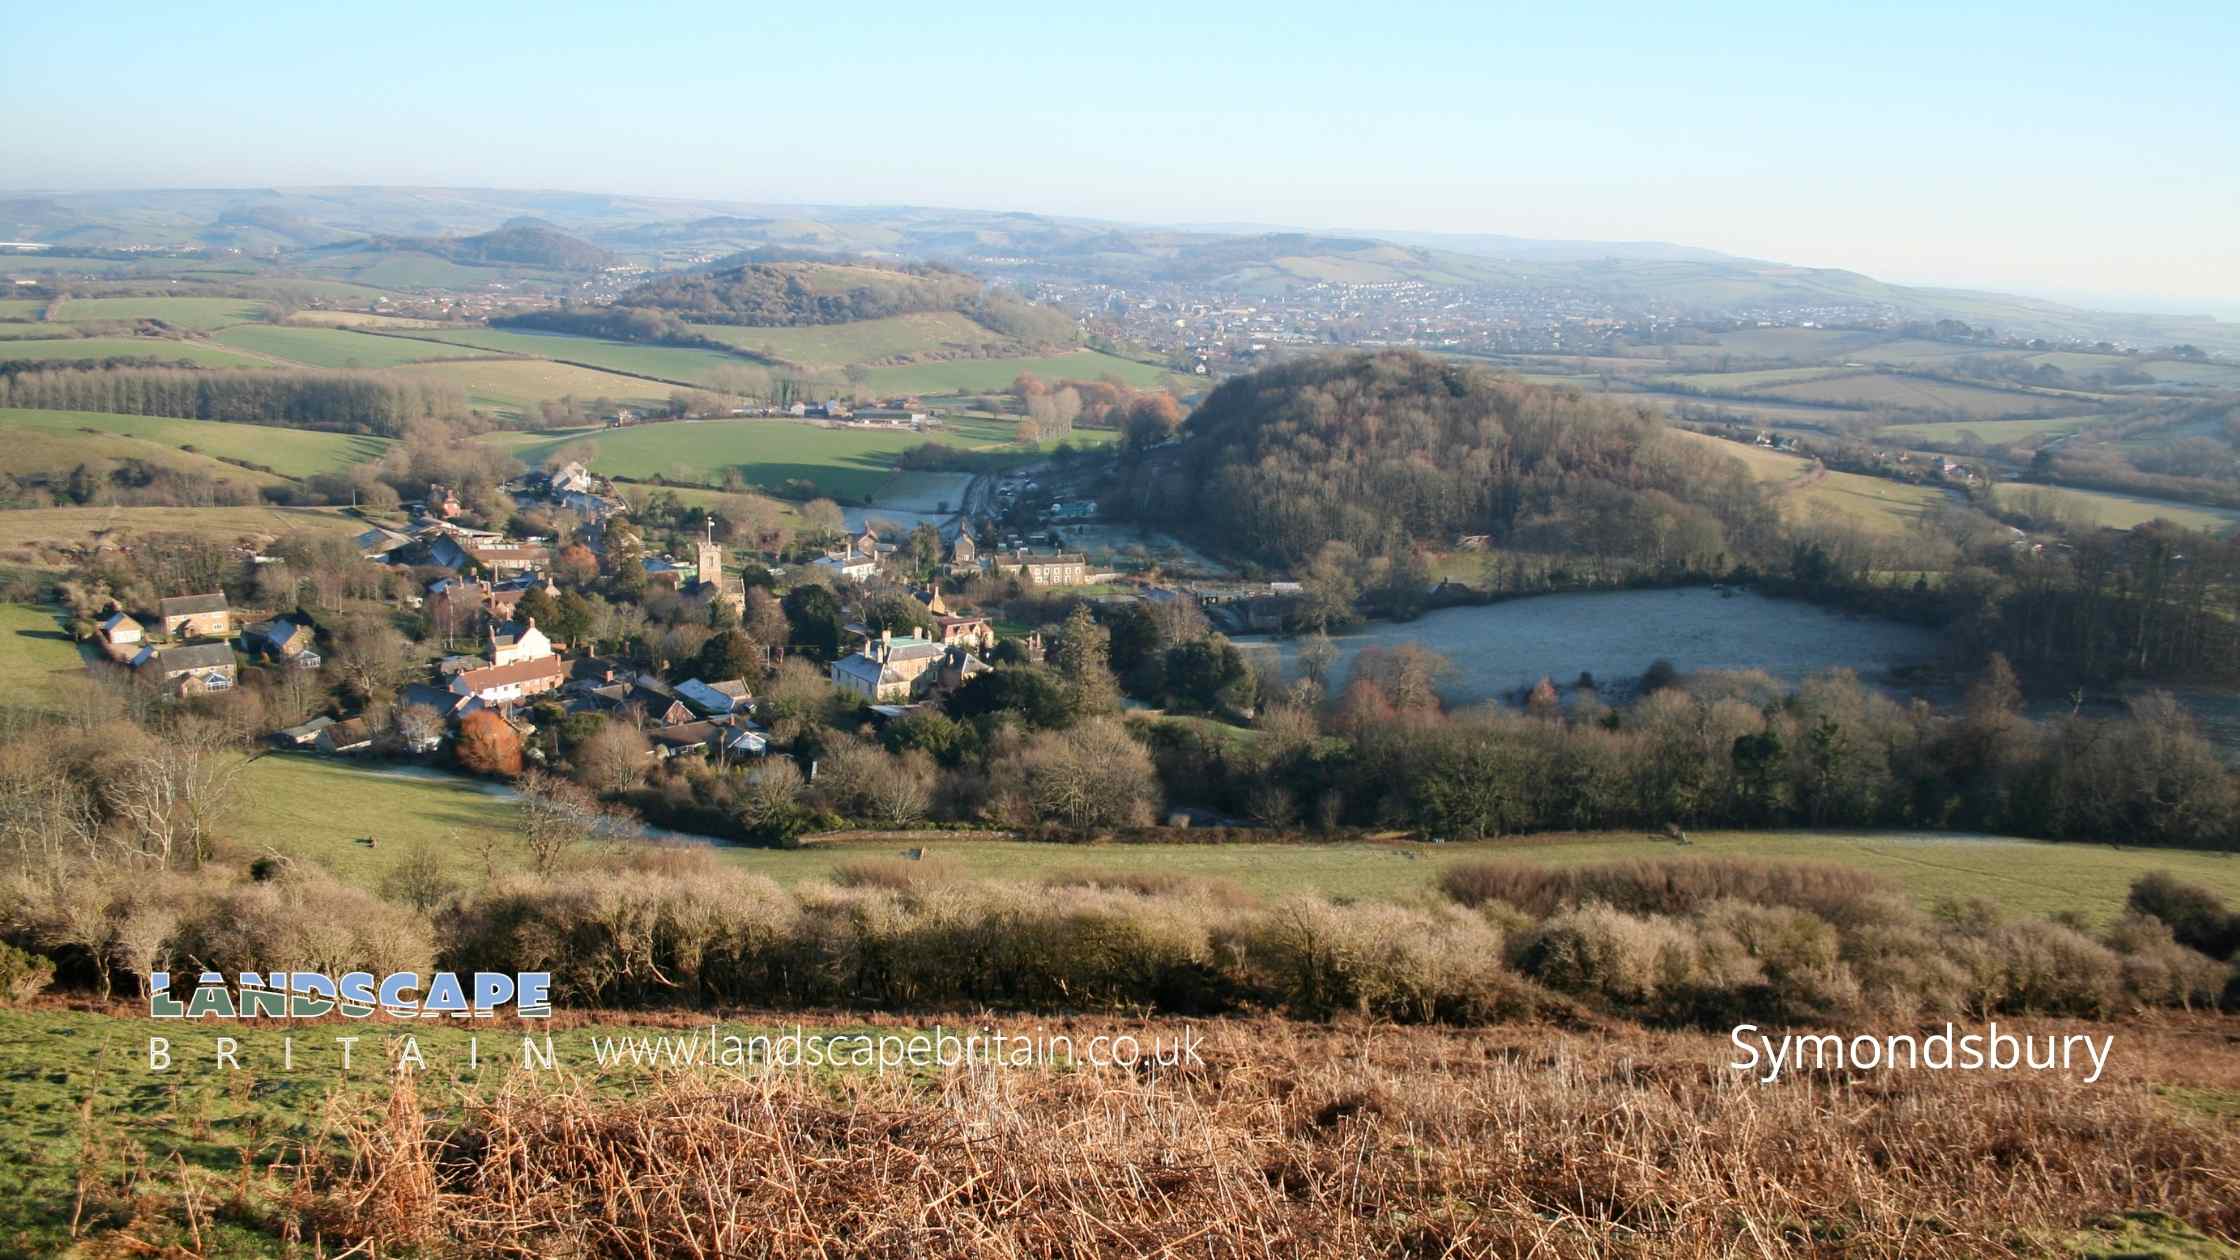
556	815
173	798
612	759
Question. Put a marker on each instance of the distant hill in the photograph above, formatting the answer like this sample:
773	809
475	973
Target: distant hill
433	237
782	294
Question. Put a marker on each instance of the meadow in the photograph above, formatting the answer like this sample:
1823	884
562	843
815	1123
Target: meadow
359	319
1882	389
323	810
1988	432
35	651
290	452
73	527
969	376
863	341
514	387
52	455
334	347
662	363
844	463
159	349
1874	504
2114	510
193	314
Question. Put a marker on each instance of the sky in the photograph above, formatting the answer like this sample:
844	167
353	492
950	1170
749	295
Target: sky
2071	150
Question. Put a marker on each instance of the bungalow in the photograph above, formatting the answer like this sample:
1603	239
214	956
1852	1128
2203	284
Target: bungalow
686	738
196	616
345	738
502	685
715	699
303	734
289	640
195	667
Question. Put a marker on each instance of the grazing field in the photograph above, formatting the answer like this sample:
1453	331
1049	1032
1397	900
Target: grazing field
194	314
292	452
1882	389
1810	493
52	455
20	308
844	463
36	652
322	810
663	363
1805	345
404	269
80	526
361	319
1988	432
965	376
515	386
335	347
864	341
163	350
2112	510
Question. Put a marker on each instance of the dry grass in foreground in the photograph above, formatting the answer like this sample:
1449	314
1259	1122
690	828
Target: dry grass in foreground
1298	1140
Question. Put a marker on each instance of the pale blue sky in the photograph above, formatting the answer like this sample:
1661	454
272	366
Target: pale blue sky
2058	147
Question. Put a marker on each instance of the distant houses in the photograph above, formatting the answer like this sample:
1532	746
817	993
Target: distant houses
189	668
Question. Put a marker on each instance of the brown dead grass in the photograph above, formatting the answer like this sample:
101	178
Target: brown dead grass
1303	1140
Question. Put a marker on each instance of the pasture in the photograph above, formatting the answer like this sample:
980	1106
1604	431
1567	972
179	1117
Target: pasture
291	452
663	363
359	319
1884	389
2110	509
334	347
864	341
35	651
320	810
844	463
192	314
515	386
970	376
32	528
1807	493
94	349
51	455
1988	432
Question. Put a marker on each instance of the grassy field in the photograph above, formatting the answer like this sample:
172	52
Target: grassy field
1881	389
195	314
293	452
321	810
83	349
966	376
20	308
844	463
334	347
2118	511
1873	504
77	527
1988	432
515	386
359	319
36	652
665	363
863	341
53	454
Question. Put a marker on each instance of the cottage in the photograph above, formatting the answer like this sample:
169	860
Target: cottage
511	642
195	667
686	738
503	685
887	669
964	555
196	616
303	734
285	640
716	699
851	567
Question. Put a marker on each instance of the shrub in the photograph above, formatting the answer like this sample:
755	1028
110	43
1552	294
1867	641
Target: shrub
2049	969
23	976
2197	917
2158	971
1403	963
1671	886
1603	952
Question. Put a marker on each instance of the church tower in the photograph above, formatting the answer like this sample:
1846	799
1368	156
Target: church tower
711	560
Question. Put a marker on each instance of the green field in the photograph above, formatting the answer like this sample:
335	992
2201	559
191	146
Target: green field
1882	389
19	308
53	455
335	347
321	810
78	526
1873	504
863	341
194	314
844	463
1988	432
969	376
2117	511
292	452
664	363
83	349
515	386
36	652
359	319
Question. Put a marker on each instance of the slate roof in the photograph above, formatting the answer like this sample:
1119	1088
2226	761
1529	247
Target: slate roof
191	605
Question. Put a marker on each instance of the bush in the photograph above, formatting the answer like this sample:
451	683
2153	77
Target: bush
1603	952
23	976
2158	971
1670	886
2045	968
1394	962
2197	917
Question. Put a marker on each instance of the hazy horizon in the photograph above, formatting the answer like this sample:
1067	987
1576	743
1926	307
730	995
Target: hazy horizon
2070	153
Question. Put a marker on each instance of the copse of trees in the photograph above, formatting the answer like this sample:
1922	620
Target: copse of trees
1378	451
349	402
